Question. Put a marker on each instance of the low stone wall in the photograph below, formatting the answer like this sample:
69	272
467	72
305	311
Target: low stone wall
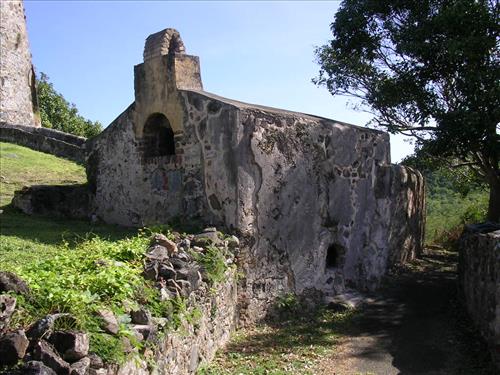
479	278
193	345
46	140
71	201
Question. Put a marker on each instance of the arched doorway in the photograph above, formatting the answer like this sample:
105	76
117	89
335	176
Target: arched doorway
158	136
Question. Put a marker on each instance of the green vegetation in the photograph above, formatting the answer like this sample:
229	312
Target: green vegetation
21	166
214	263
454	197
426	69
57	113
448	210
292	343
77	267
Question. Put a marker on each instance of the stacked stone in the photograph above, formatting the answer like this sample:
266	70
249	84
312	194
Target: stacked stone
174	267
479	278
18	100
163	43
45	351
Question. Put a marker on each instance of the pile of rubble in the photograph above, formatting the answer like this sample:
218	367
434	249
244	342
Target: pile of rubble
172	264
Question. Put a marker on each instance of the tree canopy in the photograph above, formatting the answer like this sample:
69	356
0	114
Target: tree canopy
428	69
57	113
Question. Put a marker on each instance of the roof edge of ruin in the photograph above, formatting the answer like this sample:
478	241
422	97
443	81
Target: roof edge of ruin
243	105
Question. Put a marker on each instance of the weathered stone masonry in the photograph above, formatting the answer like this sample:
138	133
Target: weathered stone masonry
479	278
18	100
317	201
46	140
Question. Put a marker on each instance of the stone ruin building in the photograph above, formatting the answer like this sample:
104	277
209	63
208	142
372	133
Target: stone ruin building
318	202
18	100
320	208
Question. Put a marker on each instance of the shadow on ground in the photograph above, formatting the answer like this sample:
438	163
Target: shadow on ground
413	325
416	325
54	231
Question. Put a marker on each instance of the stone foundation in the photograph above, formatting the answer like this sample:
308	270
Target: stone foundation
479	278
71	201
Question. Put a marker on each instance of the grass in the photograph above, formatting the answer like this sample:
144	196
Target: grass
75	266
26	239
283	346
448	211
20	166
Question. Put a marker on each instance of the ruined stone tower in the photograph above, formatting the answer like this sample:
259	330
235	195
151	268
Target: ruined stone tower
18	101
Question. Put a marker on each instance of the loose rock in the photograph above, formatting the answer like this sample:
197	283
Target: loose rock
95	361
36	368
10	282
141	316
44	326
146	331
7	307
158	252
160	239
185	287
233	242
109	322
44	352
71	345
81	367
186	243
207	238
167	272
13	347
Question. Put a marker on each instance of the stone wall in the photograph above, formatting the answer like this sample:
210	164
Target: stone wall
18	100
479	278
69	201
318	205
194	345
46	140
317	201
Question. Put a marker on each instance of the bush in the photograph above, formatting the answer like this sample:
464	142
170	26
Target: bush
57	113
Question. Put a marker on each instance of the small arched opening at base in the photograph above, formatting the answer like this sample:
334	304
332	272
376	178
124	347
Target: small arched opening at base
158	136
334	256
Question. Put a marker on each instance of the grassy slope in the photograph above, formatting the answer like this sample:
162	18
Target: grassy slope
77	267
57	257
21	166
28	238
448	211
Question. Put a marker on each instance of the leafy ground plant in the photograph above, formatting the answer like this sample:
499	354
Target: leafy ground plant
74	266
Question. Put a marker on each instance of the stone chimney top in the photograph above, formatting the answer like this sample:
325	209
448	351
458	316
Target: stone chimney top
165	42
166	70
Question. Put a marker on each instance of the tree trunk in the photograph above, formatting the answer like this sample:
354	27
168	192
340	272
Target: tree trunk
494	203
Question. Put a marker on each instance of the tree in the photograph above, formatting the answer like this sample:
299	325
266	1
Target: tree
57	113
428	69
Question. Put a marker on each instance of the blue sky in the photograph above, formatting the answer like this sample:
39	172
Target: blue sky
255	51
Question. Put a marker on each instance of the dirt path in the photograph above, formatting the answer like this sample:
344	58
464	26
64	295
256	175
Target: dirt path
413	326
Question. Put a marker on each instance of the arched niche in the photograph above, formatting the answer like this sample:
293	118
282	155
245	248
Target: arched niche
157	136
